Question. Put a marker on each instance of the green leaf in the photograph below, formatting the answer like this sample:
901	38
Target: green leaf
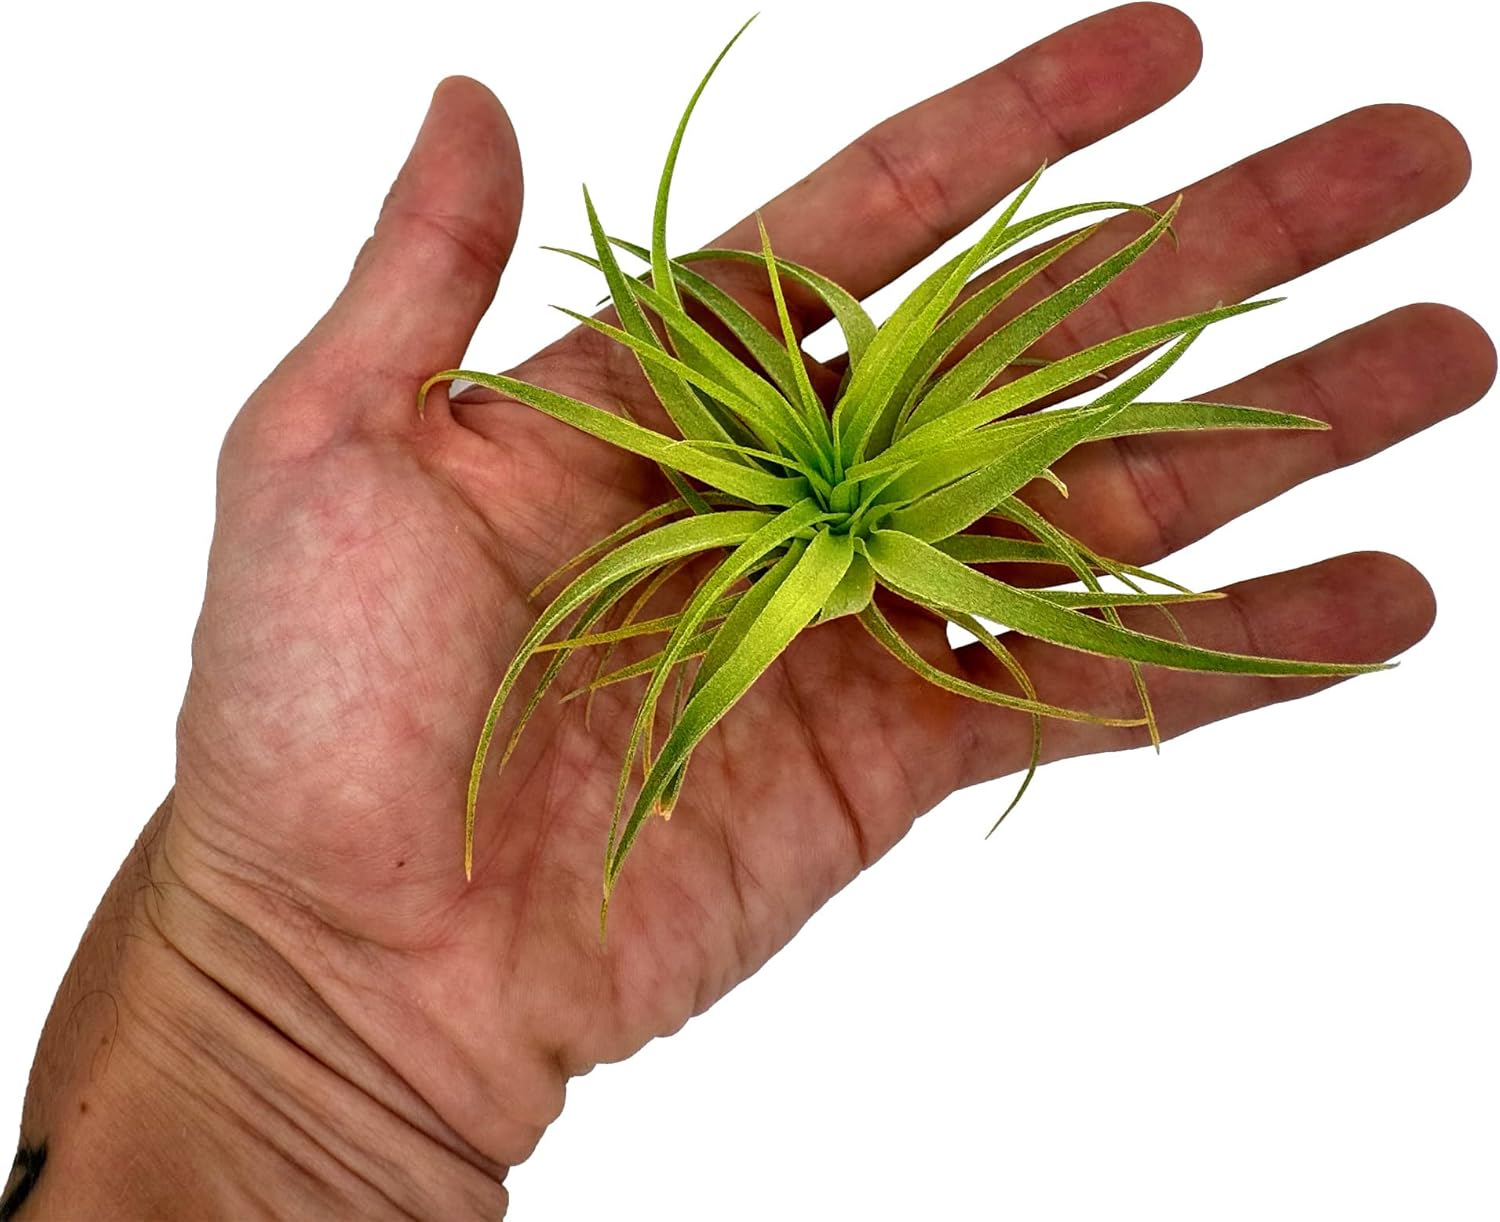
1058	375
1192	414
682	406
982	446
649	591
853	320
1017	511
900	339
1087	599
655	514
780	426
724	368
853	592
727	475
660	270
742	324
880	628
645	666
638	628
1029	226
991	549
750	607
964	318
786	613
812	406
630	629
764	457
771	535
979	366
665	543
966	473
912	567
1062	545
724	642
599	606
990	642
960	504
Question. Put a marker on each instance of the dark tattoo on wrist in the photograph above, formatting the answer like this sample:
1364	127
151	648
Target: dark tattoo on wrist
24	1173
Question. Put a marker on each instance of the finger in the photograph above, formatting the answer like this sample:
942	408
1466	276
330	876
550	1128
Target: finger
1362	607
1259	223
907	185
1141	498
915	180
425	277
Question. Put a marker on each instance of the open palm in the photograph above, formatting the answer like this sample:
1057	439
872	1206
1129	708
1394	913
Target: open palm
369	575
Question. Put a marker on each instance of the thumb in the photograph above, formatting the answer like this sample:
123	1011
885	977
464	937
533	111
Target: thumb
425	277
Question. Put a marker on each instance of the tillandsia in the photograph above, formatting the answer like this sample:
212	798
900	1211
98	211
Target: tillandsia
907	477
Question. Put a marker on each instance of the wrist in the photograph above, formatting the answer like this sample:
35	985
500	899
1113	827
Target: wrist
187	1070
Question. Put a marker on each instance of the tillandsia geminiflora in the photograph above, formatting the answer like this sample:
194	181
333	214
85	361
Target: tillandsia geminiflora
892	483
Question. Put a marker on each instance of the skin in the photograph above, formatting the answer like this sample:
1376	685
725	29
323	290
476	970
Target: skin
291	998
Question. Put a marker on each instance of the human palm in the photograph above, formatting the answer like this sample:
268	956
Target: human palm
369	575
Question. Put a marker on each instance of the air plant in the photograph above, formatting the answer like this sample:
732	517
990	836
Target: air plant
891	484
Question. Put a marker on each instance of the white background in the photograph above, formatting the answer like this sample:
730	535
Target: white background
1255	977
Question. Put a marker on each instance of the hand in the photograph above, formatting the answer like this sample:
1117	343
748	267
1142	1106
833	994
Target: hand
369	572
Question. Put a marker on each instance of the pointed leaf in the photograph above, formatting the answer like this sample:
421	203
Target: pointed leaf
880	628
776	427
742	324
979	366
663	544
853	320
773	534
660	272
908	564
725	474
787	612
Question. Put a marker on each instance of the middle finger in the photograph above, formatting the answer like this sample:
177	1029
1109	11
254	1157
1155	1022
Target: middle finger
1258	223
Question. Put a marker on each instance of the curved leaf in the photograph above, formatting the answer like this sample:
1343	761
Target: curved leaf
663	544
786	613
909	565
729	476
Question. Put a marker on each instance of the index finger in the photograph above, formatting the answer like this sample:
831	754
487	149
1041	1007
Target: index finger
906	186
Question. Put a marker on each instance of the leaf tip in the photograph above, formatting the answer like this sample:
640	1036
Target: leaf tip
427	386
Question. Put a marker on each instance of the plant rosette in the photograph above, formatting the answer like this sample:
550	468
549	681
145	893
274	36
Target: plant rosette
896	480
